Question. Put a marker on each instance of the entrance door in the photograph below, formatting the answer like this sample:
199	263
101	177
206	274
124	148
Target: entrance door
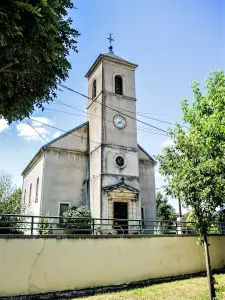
121	212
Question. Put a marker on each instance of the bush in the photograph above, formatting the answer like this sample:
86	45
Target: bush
78	219
44	227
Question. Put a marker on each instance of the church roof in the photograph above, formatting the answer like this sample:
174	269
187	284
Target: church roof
110	57
48	144
66	133
145	152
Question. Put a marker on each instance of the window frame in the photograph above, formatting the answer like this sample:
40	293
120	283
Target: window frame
123	84
37	190
30	193
63	202
92	89
142	219
124	158
24	196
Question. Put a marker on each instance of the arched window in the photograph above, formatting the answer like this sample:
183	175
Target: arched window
37	187
24	196
94	89
30	193
118	85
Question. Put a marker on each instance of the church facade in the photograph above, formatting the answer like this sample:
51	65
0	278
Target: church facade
98	164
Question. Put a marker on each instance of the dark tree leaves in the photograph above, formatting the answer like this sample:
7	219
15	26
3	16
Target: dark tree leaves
36	37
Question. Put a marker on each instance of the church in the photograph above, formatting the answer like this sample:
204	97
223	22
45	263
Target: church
99	163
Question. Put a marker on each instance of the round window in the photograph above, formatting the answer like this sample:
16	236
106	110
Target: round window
120	161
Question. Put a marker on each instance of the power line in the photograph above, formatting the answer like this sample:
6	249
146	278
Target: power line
95	100
69	113
53	147
70	133
63	130
157	114
140	113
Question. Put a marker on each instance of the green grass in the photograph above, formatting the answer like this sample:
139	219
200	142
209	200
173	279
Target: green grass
195	288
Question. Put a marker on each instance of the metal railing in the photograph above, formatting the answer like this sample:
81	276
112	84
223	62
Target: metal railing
34	225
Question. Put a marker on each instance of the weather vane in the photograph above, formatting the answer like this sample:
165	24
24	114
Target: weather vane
110	41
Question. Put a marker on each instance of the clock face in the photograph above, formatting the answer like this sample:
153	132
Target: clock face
119	122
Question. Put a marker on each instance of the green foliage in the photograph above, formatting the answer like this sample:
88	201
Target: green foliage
6	185
98	229
78	219
44	227
194	166
10	203
36	39
165	213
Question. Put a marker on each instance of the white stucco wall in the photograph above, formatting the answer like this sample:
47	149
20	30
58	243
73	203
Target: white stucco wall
66	171
30	177
109	165
45	265
147	189
95	182
95	133
76	140
111	69
95	109
64	180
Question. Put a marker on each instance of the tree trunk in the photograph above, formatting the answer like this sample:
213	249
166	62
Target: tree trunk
212	291
179	206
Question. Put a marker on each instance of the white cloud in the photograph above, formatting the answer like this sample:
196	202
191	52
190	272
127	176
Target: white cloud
29	134
56	134
42	120
3	125
167	143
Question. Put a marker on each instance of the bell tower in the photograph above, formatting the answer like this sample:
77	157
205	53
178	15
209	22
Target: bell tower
113	151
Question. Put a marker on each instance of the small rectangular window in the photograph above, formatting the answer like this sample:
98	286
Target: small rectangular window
143	215
64	207
30	193
118	85
94	89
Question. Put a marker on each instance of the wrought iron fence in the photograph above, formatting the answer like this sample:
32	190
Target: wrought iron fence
44	225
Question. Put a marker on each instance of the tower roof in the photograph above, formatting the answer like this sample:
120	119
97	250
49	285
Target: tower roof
111	57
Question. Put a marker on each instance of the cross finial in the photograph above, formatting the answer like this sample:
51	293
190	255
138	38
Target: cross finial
122	180
110	42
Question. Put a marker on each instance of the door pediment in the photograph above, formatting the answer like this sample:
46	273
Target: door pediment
121	193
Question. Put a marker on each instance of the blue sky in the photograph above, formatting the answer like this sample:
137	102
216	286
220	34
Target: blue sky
173	42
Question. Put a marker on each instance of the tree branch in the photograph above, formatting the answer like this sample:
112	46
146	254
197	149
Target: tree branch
8	66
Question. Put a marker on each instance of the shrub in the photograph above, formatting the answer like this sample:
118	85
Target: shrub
78	219
44	227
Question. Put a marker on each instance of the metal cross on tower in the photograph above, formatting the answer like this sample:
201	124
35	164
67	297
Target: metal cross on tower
110	41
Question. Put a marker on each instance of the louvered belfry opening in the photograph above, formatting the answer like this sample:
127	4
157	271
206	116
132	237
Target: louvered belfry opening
94	89
118	85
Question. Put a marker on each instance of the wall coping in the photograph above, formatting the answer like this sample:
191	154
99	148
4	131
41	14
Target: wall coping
86	236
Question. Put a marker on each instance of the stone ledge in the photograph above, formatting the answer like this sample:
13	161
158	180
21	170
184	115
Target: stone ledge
102	236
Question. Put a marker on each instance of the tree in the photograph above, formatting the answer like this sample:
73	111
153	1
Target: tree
10	203
36	38
6	185
194	166
165	213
